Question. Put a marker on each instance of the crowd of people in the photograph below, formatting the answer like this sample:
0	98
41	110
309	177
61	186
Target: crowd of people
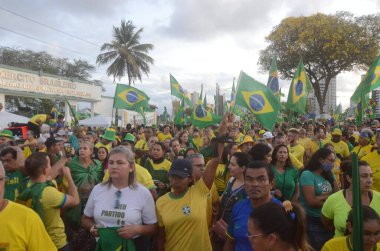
165	187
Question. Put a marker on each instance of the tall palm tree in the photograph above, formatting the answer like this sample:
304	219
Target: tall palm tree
129	57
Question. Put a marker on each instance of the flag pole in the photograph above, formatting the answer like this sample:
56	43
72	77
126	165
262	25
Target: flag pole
358	242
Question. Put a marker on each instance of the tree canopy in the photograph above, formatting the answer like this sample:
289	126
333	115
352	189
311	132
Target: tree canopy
127	55
328	45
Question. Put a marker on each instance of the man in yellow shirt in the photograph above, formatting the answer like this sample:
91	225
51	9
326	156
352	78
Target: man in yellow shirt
341	147
106	140
373	160
165	134
35	122
21	228
315	143
295	147
365	145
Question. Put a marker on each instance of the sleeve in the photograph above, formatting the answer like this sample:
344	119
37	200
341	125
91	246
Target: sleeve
159	213
328	207
145	178
90	205
327	247
201	187
298	164
306	179
38	237
52	198
149	215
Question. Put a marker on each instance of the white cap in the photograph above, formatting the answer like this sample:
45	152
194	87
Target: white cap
268	135
41	140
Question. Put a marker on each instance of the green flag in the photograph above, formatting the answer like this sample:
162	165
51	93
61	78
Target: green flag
141	110
74	114
273	84
370	81
178	91
338	112
180	116
299	91
259	99
201	117
110	240
359	111
357	213
129	98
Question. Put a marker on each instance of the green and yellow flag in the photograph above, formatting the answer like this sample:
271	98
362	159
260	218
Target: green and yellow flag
180	116
201	117
299	91
178	91
273	83
109	240
259	99
370	81
129	98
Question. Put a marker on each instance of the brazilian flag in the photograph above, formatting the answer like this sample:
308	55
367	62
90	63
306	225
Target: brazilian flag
180	116
259	99
129	98
299	91
273	78
110	240
201	117
178	91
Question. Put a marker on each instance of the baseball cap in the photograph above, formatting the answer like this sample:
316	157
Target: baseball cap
51	141
268	135
181	168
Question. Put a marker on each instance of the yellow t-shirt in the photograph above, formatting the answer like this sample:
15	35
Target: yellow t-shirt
341	148
373	160
362	151
41	117
161	136
22	229
198	142
100	144
339	243
298	151
185	219
219	178
313	145
295	162
214	198
142	176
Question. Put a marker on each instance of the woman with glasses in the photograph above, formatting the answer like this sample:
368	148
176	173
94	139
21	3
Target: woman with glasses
278	227
121	205
339	204
317	182
371	233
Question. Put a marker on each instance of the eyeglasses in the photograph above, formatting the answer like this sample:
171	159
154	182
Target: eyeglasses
117	201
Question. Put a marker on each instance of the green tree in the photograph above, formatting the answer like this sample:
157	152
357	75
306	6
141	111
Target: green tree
328	44
128	56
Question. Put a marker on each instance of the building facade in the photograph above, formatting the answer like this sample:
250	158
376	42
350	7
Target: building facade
330	100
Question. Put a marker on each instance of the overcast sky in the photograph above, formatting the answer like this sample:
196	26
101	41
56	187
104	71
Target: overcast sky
197	41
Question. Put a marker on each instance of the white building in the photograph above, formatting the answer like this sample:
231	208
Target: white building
376	97
330	100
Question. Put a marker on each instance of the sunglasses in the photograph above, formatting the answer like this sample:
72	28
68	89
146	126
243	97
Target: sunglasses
117	201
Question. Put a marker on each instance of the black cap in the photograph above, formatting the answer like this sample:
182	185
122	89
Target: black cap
181	168
51	141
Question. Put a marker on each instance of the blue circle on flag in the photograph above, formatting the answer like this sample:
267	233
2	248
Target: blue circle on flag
257	102
373	76
299	88
200	112
274	84
131	97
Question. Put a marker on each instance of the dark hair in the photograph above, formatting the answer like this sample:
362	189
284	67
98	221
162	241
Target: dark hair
272	218
258	151
188	150
346	167
161	144
180	136
288	162
261	164
97	150
314	164
35	164
226	152
368	214
9	150
242	159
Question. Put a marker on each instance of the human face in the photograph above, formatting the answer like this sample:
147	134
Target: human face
84	151
179	185
336	138
175	146
258	240
329	160
119	167
166	130
235	169
102	153
292	137
282	154
233	149
246	147
205	140
198	167
152	141
4	140
157	152
167	143
350	130
185	137
257	183
366	178
268	157
279	141
29	135
10	164
251	133
148	133
371	233
89	138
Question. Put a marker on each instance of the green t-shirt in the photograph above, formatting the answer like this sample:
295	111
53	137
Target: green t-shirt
286	182
336	208
14	180
321	186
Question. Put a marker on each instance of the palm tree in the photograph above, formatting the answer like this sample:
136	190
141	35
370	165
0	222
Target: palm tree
129	57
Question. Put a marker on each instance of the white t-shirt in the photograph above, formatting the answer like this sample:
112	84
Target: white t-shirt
136	206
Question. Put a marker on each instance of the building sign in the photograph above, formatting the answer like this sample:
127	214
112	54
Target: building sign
34	83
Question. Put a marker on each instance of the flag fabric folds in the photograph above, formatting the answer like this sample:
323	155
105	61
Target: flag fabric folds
299	91
273	83
259	99
180	116
129	98
370	81
201	117
178	91
110	240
